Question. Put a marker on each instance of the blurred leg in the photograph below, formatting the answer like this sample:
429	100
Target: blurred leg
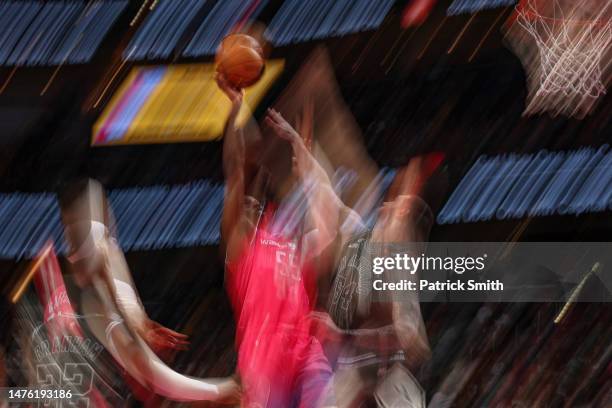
399	389
352	385
315	379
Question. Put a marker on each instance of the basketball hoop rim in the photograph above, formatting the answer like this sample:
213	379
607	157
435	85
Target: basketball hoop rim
521	10
600	23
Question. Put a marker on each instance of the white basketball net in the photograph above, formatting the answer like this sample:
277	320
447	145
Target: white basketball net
570	53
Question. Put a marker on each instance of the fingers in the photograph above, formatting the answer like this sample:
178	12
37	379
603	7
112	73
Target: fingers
272	124
278	119
161	342
173	333
220	79
172	346
320	317
280	126
164	337
275	116
277	128
268	120
222	82
173	340
234	94
160	328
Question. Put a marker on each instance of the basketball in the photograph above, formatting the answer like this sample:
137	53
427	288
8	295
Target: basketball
240	59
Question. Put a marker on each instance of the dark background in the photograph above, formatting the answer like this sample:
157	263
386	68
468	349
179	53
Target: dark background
404	105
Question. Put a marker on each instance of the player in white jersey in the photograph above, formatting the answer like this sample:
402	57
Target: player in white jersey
113	310
379	338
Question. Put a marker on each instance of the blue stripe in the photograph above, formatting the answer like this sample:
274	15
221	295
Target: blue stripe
298	21
541	184
54	32
472	6
161	30
147	218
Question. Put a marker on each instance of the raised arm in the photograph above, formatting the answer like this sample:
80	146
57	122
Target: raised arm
324	206
240	211
95	250
114	312
234	153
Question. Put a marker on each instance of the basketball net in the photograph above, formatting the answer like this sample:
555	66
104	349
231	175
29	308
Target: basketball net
565	70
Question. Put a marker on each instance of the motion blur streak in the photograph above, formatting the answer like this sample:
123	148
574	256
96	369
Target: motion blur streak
54	32
320	18
544	183
176	216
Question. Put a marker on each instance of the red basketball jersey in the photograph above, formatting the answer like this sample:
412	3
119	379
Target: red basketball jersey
268	289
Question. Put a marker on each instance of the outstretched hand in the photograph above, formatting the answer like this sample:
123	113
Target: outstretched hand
234	94
324	328
161	338
301	145
281	127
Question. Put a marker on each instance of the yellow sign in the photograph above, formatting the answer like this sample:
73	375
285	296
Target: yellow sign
177	103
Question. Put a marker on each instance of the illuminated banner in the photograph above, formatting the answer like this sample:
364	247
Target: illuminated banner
179	103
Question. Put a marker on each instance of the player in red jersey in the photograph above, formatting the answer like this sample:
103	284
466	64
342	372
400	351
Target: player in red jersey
269	264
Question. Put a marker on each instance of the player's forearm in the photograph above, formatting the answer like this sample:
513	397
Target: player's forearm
132	310
326	207
233	150
407	332
142	364
383	338
307	165
117	270
233	170
323	203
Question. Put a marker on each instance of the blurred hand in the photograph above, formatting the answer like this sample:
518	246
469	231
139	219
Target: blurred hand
230	392
234	94
161	338
281	127
324	328
301	160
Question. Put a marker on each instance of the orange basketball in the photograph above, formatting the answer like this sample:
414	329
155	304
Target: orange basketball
240	59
